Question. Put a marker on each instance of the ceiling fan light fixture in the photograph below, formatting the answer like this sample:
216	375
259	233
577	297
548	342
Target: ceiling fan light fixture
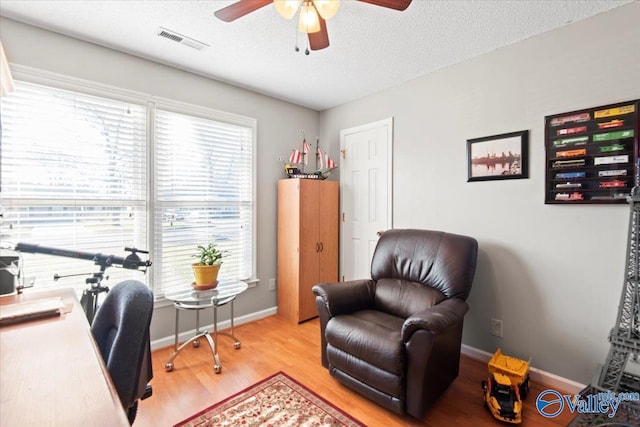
287	8
327	8
309	19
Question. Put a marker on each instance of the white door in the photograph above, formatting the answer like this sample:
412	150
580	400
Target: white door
365	194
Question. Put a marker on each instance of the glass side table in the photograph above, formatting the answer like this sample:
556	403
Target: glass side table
187	298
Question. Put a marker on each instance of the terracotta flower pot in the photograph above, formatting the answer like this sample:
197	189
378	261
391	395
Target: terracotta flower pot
206	276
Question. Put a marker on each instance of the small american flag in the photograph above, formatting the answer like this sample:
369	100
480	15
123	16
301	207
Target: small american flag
296	157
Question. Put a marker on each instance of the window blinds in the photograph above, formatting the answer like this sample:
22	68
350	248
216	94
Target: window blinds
73	177
203	193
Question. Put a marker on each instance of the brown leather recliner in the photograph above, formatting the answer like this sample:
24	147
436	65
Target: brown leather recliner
396	338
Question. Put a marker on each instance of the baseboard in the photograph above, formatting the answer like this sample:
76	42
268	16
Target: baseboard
550	380
183	336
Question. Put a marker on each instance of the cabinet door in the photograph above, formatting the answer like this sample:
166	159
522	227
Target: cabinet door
288	248
329	214
309	247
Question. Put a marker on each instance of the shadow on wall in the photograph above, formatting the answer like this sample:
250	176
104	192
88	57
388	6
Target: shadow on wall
506	289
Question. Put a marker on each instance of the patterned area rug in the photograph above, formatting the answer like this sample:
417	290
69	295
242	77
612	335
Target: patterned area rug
274	402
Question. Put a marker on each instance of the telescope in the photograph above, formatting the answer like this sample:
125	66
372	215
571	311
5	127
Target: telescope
131	262
89	300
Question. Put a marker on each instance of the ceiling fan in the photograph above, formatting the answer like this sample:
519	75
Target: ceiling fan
313	14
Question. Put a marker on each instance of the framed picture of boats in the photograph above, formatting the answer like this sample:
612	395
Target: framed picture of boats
496	157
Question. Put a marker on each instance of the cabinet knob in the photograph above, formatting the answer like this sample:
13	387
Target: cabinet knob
317	247
380	233
321	246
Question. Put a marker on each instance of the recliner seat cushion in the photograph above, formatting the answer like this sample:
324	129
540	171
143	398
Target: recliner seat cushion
371	336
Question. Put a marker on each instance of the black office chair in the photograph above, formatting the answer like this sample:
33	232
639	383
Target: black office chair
121	330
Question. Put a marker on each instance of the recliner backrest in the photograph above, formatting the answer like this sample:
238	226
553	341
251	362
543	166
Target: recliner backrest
403	298
121	330
443	261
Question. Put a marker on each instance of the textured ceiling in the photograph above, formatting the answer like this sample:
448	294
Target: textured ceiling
372	48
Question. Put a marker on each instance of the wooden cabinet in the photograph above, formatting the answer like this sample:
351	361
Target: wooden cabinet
307	243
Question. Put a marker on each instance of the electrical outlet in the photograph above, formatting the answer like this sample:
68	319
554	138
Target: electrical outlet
272	284
496	328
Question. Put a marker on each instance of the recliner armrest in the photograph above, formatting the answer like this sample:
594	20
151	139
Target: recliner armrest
345	297
435	319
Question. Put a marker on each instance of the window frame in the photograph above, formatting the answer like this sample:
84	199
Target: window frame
74	84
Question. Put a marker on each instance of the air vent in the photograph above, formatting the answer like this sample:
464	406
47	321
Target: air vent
179	38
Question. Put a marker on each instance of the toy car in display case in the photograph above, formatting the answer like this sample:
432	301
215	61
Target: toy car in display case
609	160
564	175
612	184
508	384
572	153
611	148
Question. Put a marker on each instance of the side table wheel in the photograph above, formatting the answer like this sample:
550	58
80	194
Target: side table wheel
217	369
168	366
196	343
236	345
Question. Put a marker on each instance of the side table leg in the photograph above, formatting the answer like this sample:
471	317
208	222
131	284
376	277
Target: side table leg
236	342
216	367
169	365
175	342
196	342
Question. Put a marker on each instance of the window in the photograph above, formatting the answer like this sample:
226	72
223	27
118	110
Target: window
82	172
73	174
203	192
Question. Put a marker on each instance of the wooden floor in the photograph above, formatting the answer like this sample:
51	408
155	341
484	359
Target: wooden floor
270	345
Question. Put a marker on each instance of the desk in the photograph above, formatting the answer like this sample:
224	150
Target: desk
52	371
187	298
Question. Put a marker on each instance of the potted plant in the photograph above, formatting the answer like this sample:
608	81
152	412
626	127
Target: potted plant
206	270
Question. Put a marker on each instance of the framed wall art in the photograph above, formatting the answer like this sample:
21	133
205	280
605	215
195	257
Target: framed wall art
497	157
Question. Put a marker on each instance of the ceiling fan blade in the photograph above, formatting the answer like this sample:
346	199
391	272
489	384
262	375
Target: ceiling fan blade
239	9
391	4
319	40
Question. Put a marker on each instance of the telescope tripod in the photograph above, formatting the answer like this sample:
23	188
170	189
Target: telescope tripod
89	300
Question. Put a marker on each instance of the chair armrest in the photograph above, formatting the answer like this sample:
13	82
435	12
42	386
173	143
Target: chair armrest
435	319
345	297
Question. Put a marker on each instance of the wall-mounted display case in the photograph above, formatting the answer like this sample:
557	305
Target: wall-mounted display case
591	154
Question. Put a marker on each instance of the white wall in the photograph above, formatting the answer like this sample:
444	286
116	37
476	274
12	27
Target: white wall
278	126
552	273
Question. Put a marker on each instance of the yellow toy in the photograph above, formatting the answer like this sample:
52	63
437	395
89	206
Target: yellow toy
507	385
